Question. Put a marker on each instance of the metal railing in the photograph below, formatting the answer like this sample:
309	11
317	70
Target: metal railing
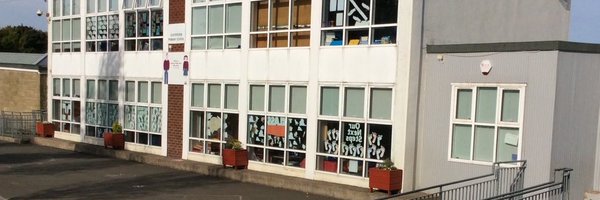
20	124
506	177
557	189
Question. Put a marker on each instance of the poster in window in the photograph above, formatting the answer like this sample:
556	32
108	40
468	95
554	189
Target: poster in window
296	133
213	125
65	111
230	125
353	139
90	113
379	140
256	129
275	131
329	137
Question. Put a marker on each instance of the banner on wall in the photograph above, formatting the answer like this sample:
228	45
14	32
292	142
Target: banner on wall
176	68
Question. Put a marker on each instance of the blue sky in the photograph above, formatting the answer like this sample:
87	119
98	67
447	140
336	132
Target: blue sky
585	17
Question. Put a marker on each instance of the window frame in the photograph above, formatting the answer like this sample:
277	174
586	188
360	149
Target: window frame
205	36
110	17
289	31
150	9
60	45
59	123
96	101
498	123
135	103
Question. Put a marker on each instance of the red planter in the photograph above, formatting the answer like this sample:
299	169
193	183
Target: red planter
383	179
330	166
114	141
44	129
235	158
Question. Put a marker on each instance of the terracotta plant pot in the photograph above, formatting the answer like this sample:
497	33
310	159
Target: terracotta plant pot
383	179
114	141
44	129
235	158
330	166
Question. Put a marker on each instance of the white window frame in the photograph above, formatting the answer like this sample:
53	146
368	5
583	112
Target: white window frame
108	14
60	43
97	101
365	120
498	123
289	30
147	104
150	37
223	35
70	98
286	114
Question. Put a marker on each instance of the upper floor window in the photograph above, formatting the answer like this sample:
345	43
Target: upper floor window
143	25
102	26
359	22
280	23
65	8
216	26
66	27
486	122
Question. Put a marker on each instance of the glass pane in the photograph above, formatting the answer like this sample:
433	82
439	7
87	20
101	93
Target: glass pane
197	94
129	45
56	30
113	90
385	35
215	19
379	139
215	42
354	102
113	5
327	163
330	101
260	15
351	167
142	138
129	117
332	38
155	140
258	41
56	11
276	131
66	90
385	11
381	103
76	47
56	48
198	20
196	146
296	136
66	29
275	157
56	110
157	23
102	89
142	118
76	86
298	99
510	105
143	24
127	3
91	6
199	1
277	98
361	14
486	105
76	29
301	14
155	119
484	144
213	148
279	39
333	13
231	96
353	139
143	92
234	18
256	154
461	142
102	114
357	37
508	144
130	91
113	114
56	87
140	3
300	39
154	2
296	159
463	103
102	5
130	24
90	113
65	111
198	43
329	136
76	7
66	47
257	97
196	124
279	14
214	95
256	129
156	92
91	89
233	41
230	125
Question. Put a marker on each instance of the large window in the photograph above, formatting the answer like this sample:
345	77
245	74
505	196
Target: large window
102	26
277	124
143	112
486	122
213	116
144	25
101	106
66	26
216	26
354	132
66	102
280	23
359	22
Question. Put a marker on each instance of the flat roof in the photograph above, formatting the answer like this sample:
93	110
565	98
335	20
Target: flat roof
565	46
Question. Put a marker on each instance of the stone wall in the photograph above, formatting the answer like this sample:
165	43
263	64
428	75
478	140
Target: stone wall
20	90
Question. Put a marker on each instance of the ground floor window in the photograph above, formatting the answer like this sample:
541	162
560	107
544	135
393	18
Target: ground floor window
143	112
101	106
66	104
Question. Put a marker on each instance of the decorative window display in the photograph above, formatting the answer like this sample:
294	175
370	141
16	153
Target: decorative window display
102	33
280	23
359	22
66	105
486	123
216	26
215	120
143	25
277	135
143	112
66	26
349	140
101	106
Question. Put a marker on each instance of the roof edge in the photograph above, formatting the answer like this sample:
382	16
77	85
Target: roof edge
564	46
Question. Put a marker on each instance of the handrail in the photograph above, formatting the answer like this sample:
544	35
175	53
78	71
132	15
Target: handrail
538	187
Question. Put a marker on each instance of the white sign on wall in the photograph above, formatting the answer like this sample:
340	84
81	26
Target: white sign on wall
176	34
176	66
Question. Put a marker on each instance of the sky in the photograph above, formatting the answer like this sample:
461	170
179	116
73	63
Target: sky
585	26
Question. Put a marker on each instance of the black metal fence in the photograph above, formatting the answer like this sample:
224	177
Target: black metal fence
20	124
557	189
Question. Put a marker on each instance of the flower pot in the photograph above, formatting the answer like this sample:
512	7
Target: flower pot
330	166
235	158
44	129
384	179
107	139
114	140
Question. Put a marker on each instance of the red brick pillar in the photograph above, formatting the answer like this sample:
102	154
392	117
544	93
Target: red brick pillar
175	92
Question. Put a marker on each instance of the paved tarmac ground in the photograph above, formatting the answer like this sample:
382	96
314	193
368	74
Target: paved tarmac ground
36	172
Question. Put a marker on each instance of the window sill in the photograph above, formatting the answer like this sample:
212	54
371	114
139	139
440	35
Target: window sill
357	46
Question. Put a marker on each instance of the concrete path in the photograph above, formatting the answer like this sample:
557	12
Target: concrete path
35	172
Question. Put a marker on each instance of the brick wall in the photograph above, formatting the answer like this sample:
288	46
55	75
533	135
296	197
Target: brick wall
19	91
176	11
175	121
